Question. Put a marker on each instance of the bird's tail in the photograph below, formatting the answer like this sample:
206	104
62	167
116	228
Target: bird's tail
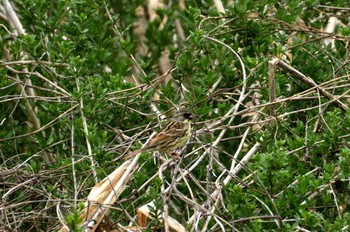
131	154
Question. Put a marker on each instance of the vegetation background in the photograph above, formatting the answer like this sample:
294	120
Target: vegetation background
82	82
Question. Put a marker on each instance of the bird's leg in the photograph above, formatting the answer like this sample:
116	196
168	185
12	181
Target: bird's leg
175	155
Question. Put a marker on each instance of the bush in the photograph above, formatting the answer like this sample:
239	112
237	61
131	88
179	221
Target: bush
87	81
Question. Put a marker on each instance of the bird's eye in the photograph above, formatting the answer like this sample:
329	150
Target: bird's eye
187	115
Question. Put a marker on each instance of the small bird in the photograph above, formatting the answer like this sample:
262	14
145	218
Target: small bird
171	136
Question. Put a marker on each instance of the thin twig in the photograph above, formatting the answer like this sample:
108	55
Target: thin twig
311	83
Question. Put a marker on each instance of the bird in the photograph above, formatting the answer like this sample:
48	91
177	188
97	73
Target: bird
174	134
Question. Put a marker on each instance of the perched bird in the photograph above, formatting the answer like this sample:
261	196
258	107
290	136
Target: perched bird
171	136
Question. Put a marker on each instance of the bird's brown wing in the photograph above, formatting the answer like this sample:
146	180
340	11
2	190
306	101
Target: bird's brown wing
153	144
164	140
166	137
158	140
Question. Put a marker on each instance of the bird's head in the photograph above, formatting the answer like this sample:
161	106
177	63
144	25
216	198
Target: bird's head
182	115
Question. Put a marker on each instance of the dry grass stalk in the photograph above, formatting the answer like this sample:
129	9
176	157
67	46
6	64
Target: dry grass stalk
104	194
144	214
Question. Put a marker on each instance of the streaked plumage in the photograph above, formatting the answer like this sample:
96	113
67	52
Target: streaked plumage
172	136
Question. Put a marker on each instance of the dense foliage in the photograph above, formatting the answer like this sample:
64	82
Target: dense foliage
86	80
